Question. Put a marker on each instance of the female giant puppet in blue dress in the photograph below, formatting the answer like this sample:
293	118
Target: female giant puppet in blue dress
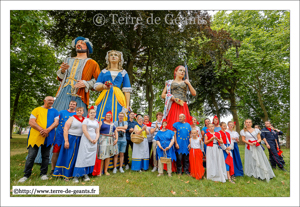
109	82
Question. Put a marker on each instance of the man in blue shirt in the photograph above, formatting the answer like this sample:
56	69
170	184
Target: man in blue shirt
269	136
129	130
182	135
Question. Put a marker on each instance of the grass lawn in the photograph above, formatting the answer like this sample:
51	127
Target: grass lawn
147	184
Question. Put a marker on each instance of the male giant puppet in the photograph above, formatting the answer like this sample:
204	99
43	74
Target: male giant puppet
77	75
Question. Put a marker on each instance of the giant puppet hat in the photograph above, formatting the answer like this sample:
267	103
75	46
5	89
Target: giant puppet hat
87	42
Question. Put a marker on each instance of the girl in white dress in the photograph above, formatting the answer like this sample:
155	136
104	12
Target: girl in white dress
215	162
194	126
256	162
88	147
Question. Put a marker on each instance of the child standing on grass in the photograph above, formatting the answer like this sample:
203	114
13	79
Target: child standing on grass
196	156
227	151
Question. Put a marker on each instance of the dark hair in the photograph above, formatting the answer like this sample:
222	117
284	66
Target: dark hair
159	113
222	123
205	120
73	101
131	112
138	115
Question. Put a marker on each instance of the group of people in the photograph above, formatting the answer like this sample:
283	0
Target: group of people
88	140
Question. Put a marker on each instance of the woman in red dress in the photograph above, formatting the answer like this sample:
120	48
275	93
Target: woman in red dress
175	95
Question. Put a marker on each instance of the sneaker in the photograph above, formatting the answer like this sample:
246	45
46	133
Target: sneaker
44	177
75	180
121	170
127	167
115	171
140	171
22	180
154	169
86	178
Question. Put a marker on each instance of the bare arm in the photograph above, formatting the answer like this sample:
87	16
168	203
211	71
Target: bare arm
34	125
127	97
192	90
244	140
101	87
66	131
206	141
53	125
85	132
164	93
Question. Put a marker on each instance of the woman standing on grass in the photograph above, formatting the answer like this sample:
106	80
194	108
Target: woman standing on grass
107	144
256	162
67	156
237	162
140	152
215	162
88	147
165	140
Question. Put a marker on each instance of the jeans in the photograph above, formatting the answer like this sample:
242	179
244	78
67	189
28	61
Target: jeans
185	159
129	142
32	152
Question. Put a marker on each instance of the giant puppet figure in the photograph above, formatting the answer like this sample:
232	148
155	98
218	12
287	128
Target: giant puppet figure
112	98
109	82
175	95
78	76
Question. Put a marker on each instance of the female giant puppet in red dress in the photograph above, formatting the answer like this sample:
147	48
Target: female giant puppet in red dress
175	95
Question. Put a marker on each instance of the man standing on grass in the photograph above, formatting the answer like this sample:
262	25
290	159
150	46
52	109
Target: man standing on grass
64	115
182	140
131	124
155	127
269	137
42	120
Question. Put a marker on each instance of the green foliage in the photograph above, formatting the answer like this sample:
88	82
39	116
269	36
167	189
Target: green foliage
33	63
263	64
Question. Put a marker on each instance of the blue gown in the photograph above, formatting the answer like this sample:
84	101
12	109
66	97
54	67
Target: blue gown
110	102
165	139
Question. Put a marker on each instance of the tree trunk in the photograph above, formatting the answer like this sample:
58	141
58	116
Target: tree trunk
287	144
260	100
234	112
216	106
13	116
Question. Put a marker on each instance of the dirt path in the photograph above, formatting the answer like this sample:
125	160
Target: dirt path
17	151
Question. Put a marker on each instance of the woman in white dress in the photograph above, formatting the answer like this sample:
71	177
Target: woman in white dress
256	162
215	162
140	152
88	147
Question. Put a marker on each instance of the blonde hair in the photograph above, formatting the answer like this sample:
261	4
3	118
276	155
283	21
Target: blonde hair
245	127
231	122
120	55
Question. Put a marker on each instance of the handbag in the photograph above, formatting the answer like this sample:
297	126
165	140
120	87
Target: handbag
256	140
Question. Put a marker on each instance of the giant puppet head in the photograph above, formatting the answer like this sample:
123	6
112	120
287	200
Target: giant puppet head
114	56
82	45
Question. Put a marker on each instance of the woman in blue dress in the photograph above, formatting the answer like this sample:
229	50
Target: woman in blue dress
165	140
237	162
109	83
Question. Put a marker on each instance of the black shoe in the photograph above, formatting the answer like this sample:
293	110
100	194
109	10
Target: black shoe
274	167
283	169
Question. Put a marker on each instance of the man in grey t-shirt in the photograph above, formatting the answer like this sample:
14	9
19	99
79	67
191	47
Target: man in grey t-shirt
155	127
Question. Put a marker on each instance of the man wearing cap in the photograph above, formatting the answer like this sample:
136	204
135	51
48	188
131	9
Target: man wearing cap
78	76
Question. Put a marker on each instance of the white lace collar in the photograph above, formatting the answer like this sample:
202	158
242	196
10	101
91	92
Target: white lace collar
123	72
